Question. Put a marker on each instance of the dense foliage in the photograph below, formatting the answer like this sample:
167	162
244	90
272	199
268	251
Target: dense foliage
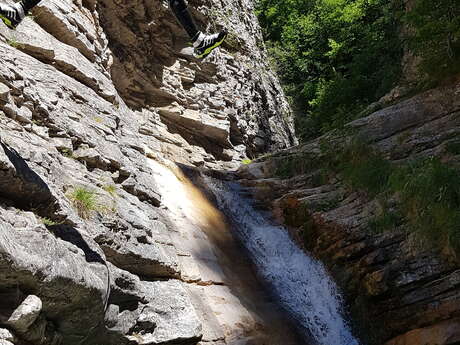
335	57
436	36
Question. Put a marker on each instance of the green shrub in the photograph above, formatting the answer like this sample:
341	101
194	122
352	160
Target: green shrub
436	36
335	57
428	192
388	220
358	164
453	147
84	201
293	165
430	199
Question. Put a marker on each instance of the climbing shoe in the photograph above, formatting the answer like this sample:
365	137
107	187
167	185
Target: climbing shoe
205	44
12	15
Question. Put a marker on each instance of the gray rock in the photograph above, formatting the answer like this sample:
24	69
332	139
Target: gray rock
5	334
143	186
5	342
25	315
93	94
4	93
22	184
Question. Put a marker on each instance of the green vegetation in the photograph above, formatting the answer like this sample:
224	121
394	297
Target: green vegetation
360	166
425	193
453	147
336	57
111	189
246	161
14	43
297	164
48	222
84	201
429	193
66	152
436	38
388	220
427	190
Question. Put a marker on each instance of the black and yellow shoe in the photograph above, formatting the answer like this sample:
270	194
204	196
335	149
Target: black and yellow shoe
12	15
205	44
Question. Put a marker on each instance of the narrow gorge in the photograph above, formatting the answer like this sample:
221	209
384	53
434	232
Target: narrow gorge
127	215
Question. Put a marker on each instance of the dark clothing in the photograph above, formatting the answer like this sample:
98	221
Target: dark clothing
179	7
28	4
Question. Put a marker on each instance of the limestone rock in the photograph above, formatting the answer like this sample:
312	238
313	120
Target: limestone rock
443	333
91	92
387	278
5	342
26	314
6	335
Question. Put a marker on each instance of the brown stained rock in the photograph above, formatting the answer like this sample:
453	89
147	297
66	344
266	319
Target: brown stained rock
376	282
443	333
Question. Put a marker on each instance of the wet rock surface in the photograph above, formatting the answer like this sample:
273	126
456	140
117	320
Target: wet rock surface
398	291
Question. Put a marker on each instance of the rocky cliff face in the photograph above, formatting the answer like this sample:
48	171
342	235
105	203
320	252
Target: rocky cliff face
399	292
93	95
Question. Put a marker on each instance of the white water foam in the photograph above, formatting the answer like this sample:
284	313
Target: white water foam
300	283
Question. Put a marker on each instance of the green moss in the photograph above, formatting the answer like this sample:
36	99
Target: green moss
246	161
67	153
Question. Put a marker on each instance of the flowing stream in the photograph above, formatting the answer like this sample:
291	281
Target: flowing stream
300	283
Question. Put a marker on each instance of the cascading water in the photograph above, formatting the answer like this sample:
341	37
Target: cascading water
299	282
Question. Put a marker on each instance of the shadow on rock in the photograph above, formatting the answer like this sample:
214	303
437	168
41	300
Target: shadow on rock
23	186
70	234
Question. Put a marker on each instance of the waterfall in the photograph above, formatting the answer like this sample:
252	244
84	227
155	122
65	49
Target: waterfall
300	283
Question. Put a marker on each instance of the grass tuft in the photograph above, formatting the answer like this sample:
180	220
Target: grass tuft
111	189
48	222
84	201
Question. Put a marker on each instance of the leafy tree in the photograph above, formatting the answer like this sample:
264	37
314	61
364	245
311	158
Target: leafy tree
435	36
334	56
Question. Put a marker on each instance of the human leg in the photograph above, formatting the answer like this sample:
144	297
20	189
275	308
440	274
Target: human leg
12	15
180	10
203	44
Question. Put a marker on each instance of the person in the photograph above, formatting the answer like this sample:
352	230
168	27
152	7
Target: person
203	44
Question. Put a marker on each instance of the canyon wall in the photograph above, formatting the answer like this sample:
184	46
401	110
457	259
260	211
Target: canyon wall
400	291
96	98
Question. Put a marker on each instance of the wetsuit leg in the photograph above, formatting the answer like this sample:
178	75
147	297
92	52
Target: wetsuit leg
179	7
29	4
